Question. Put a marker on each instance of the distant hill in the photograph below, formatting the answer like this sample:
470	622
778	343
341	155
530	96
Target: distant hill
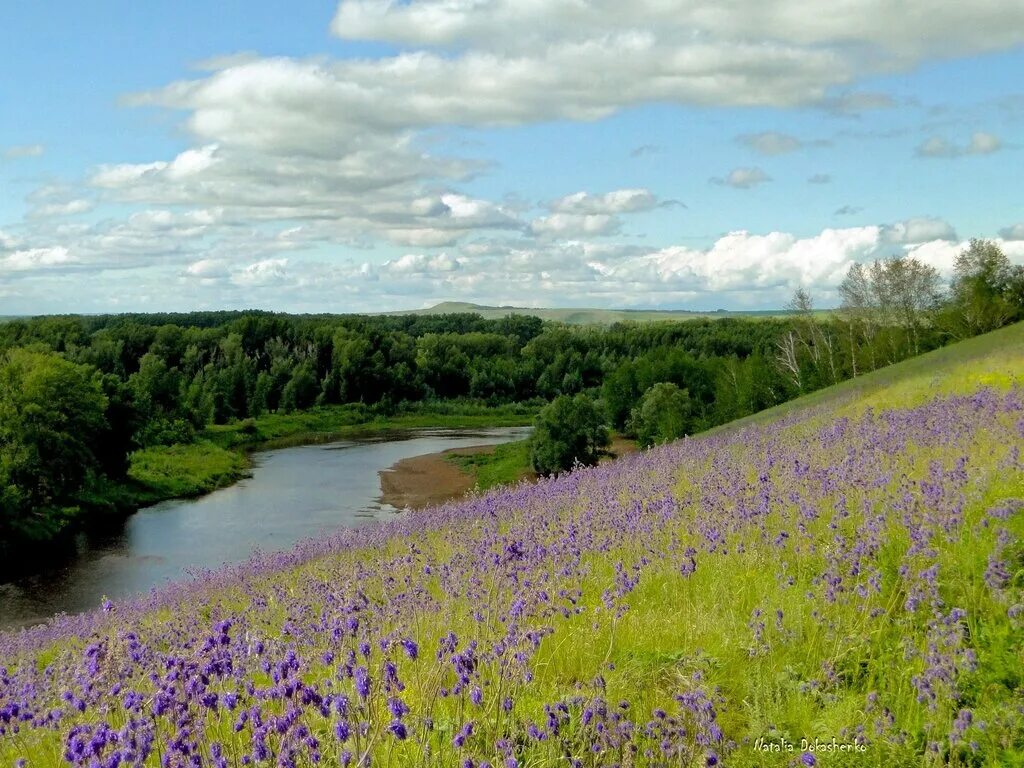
581	316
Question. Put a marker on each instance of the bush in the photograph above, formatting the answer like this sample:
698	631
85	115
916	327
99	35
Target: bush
568	431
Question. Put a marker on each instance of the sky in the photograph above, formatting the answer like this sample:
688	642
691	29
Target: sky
375	155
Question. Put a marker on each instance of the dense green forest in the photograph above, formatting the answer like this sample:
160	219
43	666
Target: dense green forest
82	396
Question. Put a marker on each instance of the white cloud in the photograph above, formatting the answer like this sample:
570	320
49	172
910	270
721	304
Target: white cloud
207	268
743	178
261	273
22	151
421	264
574	225
981	143
918	230
7	241
33	259
906	30
332	154
618	201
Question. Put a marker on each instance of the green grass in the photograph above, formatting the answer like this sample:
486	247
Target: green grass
279	430
507	463
169	471
995	359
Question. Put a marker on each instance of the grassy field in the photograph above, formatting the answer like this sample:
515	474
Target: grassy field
278	430
170	471
510	463
837	583
588	316
506	464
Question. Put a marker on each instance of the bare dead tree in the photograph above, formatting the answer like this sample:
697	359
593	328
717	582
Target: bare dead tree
788	358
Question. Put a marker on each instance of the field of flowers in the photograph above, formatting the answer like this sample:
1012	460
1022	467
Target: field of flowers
840	586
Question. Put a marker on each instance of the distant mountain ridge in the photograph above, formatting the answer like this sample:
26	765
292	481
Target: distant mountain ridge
581	315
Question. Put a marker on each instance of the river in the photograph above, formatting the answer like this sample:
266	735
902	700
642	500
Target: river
293	493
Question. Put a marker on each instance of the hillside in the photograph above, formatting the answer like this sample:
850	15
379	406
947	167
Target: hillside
582	316
836	582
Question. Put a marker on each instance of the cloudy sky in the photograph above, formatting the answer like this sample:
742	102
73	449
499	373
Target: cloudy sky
385	155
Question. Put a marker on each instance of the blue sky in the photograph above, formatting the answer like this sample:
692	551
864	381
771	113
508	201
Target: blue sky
374	155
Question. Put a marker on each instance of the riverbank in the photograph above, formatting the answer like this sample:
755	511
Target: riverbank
423	481
221	455
435	478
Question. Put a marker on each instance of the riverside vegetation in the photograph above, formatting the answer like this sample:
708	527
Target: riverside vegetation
846	570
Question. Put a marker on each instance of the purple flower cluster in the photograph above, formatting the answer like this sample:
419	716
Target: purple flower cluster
539	624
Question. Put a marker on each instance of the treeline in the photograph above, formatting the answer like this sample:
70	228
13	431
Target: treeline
78	395
891	309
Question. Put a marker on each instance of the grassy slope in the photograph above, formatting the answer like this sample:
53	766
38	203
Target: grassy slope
995	359
676	629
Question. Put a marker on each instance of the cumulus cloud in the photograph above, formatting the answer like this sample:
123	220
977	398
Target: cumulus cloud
207	268
573	225
618	201
742	178
775	143
907	29
585	214
32	259
757	270
981	143
261	273
7	241
918	230
1016	232
289	154
21	151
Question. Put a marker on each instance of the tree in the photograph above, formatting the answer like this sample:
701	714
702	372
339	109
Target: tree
568	431
908	294
50	412
301	390
664	414
982	291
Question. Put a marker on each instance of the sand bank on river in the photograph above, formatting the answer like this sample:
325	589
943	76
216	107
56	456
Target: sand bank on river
421	481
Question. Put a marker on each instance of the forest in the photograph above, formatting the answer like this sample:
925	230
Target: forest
82	397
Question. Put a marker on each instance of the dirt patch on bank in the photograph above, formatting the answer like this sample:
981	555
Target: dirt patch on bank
421	481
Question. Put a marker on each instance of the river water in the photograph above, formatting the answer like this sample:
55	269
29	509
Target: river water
294	493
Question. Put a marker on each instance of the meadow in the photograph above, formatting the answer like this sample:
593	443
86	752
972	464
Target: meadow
837	583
